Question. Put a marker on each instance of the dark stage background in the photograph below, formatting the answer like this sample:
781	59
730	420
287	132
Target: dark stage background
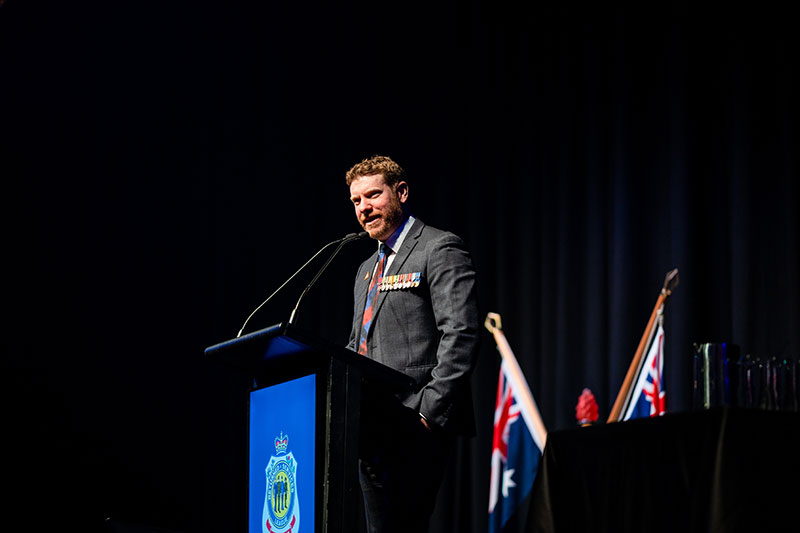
166	165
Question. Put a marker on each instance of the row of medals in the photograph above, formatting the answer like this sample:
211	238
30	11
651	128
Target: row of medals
400	281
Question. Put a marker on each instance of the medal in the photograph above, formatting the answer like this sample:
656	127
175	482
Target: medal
398	282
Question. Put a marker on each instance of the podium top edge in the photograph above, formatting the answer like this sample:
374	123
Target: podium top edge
271	331
283	340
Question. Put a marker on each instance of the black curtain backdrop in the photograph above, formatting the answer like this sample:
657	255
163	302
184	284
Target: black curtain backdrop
166	165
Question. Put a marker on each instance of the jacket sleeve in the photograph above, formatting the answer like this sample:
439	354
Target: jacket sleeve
453	293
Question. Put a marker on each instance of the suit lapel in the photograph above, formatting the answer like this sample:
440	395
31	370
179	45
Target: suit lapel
408	245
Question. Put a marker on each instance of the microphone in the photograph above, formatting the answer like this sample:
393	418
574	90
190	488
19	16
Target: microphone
350	237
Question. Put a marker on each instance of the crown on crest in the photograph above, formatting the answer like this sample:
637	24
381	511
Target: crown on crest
281	443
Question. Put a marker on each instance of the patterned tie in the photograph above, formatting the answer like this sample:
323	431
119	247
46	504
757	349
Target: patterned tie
371	296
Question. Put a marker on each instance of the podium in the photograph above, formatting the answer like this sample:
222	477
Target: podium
304	424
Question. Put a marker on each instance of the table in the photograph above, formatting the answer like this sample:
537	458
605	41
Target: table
724	469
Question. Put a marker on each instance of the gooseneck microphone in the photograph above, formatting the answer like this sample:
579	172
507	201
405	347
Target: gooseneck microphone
350	237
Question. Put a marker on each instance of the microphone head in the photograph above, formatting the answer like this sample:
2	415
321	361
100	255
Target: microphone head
356	236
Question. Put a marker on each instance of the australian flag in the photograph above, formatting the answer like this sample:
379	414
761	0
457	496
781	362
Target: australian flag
516	451
647	396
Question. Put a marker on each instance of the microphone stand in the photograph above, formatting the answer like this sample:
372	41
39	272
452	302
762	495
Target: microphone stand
349	238
341	242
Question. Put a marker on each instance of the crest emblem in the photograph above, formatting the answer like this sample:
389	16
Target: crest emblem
281	506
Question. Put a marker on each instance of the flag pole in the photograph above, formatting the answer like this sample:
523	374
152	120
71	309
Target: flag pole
670	282
520	386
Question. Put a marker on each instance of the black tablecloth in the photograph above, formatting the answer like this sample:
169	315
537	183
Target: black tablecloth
719	470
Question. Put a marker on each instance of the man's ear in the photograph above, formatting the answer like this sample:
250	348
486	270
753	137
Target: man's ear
401	189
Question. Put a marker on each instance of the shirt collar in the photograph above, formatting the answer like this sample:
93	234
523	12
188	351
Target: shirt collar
395	240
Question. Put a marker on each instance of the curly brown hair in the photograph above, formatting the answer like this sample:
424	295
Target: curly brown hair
377	164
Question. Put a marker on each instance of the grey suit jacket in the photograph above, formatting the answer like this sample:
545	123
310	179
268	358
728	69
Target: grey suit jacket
429	332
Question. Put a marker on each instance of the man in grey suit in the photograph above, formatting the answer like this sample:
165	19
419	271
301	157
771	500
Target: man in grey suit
416	311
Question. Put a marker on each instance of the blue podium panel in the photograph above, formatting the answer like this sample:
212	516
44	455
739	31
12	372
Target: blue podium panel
282	456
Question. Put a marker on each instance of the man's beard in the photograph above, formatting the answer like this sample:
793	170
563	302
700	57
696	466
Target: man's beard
390	220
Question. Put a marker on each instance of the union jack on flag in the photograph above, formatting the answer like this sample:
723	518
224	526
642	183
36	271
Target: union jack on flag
648	397
516	449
